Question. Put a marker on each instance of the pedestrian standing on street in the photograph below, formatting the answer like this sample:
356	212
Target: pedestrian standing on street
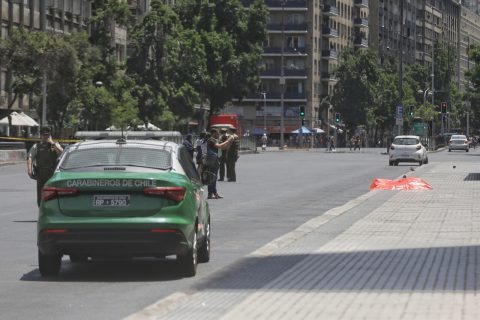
198	150
357	143
232	156
187	143
332	144
264	142
42	160
212	150
222	154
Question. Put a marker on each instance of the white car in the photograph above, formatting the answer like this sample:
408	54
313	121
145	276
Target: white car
407	149
458	142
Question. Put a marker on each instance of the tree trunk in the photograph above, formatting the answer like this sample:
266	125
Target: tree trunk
10	105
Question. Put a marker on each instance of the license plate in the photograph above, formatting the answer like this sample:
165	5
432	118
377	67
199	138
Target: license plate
111	200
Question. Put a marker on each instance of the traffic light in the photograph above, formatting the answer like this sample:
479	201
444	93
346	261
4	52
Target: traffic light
444	107
411	110
301	112
337	117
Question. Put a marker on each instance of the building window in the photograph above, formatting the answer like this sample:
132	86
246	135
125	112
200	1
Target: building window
296	42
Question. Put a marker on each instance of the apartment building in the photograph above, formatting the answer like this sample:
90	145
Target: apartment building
469	35
472	5
426	23
300	55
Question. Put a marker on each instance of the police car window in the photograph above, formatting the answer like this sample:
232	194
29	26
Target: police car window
141	157
153	158
90	157
187	164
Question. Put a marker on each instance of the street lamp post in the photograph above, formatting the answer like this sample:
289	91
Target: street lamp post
264	112
430	93
468	107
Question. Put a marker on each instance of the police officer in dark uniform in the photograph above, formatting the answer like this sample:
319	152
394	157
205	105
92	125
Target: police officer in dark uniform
223	155
42	159
232	156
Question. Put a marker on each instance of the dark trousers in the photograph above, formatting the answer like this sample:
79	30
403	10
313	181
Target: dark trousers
223	162
231	175
43	174
212	188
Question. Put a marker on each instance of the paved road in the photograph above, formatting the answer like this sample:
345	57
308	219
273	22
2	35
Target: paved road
275	193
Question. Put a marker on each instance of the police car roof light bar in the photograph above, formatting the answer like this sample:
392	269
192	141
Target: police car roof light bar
96	135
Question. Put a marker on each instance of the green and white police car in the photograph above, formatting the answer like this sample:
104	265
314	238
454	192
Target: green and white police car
128	198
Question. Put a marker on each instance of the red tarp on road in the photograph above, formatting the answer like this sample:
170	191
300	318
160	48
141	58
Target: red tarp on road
410	183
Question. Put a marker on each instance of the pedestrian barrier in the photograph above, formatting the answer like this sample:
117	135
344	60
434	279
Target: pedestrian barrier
13	155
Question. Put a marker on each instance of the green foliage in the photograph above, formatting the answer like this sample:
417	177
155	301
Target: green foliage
385	98
354	93
473	87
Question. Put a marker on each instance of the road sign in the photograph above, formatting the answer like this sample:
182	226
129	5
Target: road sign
399	112
398	121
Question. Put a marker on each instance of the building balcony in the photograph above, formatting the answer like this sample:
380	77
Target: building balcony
287	28
329	32
330	10
329	54
287	73
419	55
289	5
287	51
360	22
360	42
328	77
361	3
276	96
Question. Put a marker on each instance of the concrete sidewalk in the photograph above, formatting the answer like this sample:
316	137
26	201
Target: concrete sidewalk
384	255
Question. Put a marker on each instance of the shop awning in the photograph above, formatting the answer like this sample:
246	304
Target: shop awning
20	119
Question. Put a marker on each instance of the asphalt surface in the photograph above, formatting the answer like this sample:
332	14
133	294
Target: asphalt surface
275	192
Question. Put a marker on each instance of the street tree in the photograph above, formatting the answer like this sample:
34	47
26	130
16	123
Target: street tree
385	98
354	92
27	55
472	84
232	36
106	14
154	59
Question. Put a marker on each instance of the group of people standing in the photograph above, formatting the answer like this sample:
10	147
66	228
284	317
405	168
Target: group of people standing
216	154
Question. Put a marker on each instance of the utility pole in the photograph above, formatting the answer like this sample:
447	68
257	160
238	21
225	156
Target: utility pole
264	112
282	80
400	69
43	28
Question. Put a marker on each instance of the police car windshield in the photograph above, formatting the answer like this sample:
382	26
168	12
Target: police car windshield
116	156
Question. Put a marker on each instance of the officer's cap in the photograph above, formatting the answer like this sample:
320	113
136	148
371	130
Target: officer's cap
45	130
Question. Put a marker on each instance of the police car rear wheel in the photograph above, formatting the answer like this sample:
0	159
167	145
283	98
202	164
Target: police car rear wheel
204	250
49	264
188	262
